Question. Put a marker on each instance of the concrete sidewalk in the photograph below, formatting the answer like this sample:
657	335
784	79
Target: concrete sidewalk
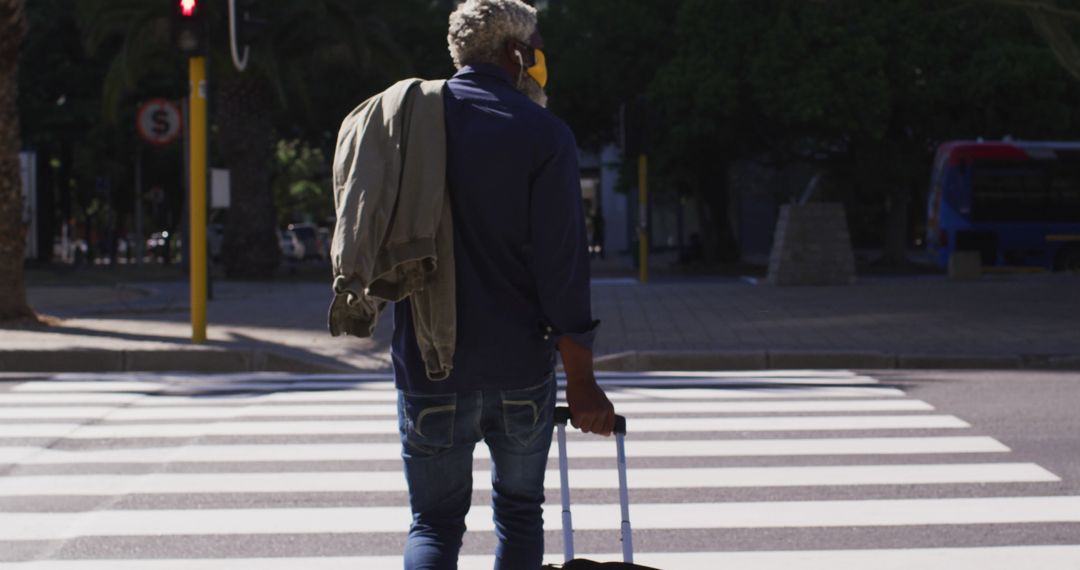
927	322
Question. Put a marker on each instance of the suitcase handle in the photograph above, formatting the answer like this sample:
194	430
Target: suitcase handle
562	416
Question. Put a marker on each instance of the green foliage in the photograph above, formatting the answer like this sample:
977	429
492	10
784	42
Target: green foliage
796	76
301	183
312	53
602	53
318	58
59	84
823	71
861	89
133	37
1055	23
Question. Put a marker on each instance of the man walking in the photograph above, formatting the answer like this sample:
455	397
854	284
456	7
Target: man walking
522	292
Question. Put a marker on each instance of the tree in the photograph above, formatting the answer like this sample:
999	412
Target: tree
302	183
1052	23
306	47
703	95
603	53
860	90
12	231
863	90
59	91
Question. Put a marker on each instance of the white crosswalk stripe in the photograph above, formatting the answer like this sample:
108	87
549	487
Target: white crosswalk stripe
382	410
388	426
243	444
989	558
285	453
391	481
902	512
50	397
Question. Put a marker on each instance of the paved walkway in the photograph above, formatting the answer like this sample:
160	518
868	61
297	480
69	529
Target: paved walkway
1028	316
1002	315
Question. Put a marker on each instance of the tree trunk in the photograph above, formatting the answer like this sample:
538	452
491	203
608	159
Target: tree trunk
244	106
895	252
12	230
882	170
712	195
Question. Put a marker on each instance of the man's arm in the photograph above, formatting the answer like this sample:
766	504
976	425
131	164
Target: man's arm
590	409
560	267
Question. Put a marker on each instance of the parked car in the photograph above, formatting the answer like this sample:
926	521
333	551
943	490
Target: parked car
324	242
292	249
308	235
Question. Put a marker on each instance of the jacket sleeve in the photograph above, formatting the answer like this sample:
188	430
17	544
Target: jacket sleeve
560	260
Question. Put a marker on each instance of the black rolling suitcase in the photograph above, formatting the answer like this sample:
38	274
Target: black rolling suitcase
562	416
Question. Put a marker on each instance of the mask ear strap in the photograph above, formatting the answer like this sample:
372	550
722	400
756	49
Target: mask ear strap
521	66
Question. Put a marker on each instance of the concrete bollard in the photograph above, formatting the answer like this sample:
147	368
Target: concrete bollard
811	246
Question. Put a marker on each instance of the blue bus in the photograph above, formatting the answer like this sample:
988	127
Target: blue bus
1017	203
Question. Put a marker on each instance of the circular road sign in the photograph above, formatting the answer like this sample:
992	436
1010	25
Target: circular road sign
159	121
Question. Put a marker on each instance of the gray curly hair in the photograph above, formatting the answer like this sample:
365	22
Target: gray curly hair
478	29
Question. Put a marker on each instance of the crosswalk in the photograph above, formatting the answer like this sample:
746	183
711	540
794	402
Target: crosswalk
749	470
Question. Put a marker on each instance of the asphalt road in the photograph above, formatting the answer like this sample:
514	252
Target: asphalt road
760	470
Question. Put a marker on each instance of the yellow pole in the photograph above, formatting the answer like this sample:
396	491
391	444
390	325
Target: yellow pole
643	218
197	227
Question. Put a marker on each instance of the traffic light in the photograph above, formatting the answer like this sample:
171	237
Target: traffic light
189	26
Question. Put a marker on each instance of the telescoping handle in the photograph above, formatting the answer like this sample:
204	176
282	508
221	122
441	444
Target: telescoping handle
562	416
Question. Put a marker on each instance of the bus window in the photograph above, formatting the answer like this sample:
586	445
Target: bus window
1025	191
1065	188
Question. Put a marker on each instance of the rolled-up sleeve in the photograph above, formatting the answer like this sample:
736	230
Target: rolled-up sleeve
560	258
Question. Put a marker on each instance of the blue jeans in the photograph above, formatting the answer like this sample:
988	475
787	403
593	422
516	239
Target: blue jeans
438	434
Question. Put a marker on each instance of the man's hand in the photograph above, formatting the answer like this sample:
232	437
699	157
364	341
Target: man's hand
590	409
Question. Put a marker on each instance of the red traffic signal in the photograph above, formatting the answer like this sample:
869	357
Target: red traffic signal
189	26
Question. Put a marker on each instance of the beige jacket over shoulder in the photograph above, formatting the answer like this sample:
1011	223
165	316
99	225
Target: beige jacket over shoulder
394	232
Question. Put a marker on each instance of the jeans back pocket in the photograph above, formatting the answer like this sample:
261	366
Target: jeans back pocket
426	421
529	412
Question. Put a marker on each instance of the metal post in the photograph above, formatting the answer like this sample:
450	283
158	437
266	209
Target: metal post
564	487
643	218
624	500
197	216
140	242
185	212
110	225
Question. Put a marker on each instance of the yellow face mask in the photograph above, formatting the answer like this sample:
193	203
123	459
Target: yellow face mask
539	70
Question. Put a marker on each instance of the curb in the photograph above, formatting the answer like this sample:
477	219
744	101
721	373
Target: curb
212	360
655	360
643	360
206	360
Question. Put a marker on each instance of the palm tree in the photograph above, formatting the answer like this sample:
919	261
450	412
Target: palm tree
1053	24
12	232
303	41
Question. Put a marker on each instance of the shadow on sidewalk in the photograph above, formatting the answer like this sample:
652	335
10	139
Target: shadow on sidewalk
274	356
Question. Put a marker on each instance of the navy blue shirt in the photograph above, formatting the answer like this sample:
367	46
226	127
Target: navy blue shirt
521	258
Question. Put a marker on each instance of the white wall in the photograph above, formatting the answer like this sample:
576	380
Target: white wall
616	206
